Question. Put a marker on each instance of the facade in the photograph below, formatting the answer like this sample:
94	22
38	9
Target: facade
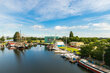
76	44
50	39
59	43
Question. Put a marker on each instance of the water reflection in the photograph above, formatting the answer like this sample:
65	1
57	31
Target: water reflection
2	49
38	48
18	54
35	46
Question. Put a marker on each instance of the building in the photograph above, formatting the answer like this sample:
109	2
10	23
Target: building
59	43
76	44
50	39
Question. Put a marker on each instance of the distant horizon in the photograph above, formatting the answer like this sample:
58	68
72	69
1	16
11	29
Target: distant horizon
58	36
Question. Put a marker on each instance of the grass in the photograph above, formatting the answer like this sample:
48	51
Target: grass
2	43
38	41
70	49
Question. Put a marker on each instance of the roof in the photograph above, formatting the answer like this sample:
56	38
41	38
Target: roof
76	42
59	43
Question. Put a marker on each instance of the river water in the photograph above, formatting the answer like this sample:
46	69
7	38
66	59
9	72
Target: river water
35	60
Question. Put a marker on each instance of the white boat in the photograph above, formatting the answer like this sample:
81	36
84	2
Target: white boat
60	51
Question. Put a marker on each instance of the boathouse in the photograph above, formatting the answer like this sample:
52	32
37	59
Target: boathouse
59	43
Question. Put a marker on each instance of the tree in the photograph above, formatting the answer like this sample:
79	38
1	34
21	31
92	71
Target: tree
71	34
86	50
107	57
2	39
99	52
29	40
108	40
17	37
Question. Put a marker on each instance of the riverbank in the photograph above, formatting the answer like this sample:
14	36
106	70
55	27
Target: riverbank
72	57
71	49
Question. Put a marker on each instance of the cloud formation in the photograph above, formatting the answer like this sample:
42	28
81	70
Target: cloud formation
54	9
15	14
37	26
101	26
71	27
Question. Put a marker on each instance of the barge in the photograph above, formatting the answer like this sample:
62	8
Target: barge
92	67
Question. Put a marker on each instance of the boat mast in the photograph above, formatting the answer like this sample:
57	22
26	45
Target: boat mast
20	36
66	42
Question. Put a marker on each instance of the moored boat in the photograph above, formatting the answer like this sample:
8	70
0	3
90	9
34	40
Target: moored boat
71	57
73	60
59	51
11	45
12	48
92	67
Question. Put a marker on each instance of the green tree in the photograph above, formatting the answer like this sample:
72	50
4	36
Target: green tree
2	39
29	40
71	34
108	40
107	57
99	52
17	37
86	50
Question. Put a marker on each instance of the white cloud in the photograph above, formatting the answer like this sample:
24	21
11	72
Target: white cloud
90	26
54	9
103	17
71	27
9	29
10	26
82	27
37	26
60	27
94	6
43	10
101	26
18	5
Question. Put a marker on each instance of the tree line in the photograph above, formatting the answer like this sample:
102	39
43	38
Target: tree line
78	39
19	38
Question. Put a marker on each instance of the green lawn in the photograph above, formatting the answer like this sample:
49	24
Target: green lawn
70	49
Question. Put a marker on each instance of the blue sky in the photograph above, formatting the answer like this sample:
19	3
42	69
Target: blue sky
86	18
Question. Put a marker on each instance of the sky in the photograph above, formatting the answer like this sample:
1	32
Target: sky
86	18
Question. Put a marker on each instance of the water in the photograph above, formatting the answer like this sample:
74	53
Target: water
35	60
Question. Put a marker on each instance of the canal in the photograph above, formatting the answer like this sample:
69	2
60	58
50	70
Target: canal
35	60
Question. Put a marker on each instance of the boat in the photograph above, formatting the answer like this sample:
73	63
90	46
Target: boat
68	56
55	48
92	67
74	60
11	48
25	45
59	51
20	46
63	55
71	57
11	45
